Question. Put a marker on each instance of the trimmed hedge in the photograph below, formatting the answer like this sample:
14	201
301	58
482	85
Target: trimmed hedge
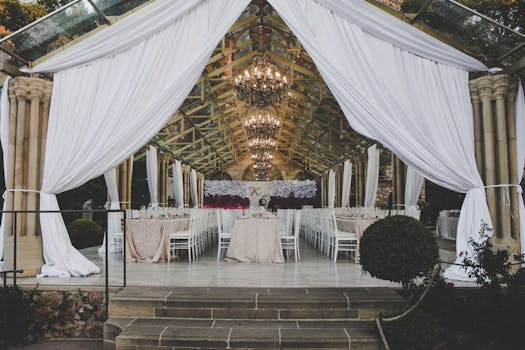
398	249
85	233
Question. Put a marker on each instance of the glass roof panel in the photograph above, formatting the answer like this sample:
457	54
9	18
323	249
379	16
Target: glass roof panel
481	37
55	31
118	7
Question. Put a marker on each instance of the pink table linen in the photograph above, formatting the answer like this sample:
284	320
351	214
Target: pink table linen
255	240
354	225
146	239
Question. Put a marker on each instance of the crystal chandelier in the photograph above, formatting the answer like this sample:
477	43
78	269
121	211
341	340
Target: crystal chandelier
260	86
262	125
262	170
262	157
261	145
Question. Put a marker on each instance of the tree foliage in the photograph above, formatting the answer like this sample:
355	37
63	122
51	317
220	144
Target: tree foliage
15	14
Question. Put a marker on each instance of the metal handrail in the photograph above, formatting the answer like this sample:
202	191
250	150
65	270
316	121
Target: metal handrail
106	257
4	273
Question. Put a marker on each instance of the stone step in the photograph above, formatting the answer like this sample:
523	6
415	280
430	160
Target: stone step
254	303
162	333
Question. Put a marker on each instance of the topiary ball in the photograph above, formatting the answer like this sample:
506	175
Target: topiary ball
398	249
85	233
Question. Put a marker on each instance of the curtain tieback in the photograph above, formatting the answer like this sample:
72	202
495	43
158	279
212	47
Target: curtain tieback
518	187
18	190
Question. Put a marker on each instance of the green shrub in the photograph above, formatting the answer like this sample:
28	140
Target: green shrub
85	233
398	249
18	316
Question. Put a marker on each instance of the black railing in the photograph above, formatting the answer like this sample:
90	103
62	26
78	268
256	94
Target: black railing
15	214
5	300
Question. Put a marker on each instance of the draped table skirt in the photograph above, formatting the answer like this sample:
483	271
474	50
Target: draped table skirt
146	239
255	240
354	225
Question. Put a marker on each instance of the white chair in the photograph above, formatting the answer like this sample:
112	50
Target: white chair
185	240
344	241
291	241
224	232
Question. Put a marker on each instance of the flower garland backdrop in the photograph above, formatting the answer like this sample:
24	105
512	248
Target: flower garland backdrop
292	194
235	194
226	194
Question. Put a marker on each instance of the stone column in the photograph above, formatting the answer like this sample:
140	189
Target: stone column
498	153
160	178
186	184
124	176
394	179
478	130
362	179
200	188
486	89
29	108
501	87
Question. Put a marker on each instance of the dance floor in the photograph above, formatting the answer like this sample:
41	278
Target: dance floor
313	270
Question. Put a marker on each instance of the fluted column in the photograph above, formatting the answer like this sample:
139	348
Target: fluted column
186	184
478	130
513	159
485	88
29	108
498	154
501	87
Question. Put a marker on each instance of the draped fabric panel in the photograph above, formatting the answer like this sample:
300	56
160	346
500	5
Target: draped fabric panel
520	154
114	219
193	188
331	188
426	120
347	183
413	185
178	184
111	95
152	171
4	139
372	176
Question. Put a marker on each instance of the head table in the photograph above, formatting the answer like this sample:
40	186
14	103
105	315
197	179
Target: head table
255	240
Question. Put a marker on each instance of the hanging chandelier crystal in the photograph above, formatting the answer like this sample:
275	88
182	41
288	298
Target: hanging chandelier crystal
262	170
262	125
260	86
261	145
262	157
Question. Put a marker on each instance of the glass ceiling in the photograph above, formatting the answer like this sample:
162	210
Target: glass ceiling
448	20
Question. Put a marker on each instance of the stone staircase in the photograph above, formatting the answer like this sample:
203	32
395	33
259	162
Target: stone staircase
246	318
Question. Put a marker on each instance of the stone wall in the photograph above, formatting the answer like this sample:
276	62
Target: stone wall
65	313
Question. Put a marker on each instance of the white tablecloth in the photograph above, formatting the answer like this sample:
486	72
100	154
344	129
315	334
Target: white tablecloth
354	225
447	227
255	240
146	239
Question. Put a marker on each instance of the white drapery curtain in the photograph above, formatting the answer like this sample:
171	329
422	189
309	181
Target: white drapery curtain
426	120
193	188
112	93
372	176
347	183
114	225
178	184
520	154
413	185
331	188
4	139
152	171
